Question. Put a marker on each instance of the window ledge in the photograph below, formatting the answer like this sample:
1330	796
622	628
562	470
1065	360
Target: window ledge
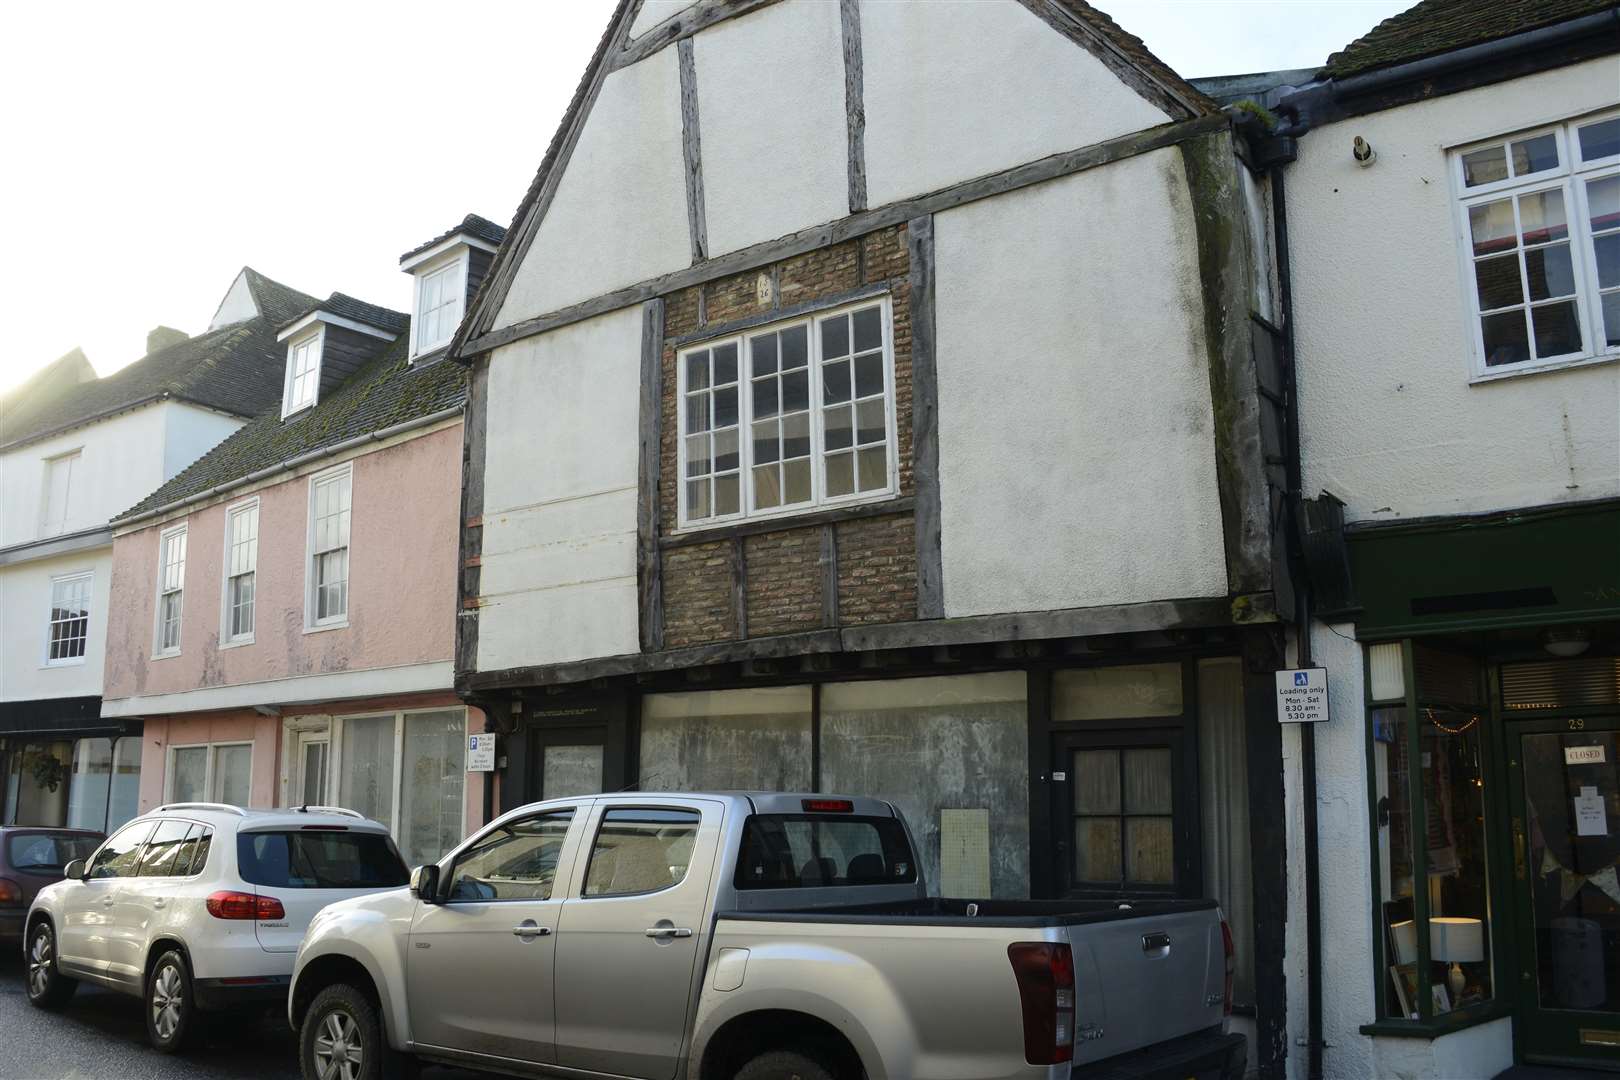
1433	1029
170	655
77	661
323	627
1544	368
877	506
236	644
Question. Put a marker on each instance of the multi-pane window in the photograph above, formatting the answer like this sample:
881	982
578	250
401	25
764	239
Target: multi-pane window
329	547
438	306
70	619
241	566
171	589
58	486
303	373
1541	217
816	410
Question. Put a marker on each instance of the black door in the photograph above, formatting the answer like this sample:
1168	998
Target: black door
1127	812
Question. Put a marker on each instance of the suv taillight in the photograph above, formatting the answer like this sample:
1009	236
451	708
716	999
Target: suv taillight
1231	964
244	905
10	892
1045	974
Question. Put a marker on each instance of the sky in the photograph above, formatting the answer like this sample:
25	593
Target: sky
152	150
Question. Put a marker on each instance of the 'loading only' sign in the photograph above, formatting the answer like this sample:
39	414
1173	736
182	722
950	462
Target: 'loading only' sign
1302	696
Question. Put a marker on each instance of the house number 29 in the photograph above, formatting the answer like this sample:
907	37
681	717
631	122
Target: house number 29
1577	725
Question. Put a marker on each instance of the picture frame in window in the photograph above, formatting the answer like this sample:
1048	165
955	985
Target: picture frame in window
1441	998
1405	978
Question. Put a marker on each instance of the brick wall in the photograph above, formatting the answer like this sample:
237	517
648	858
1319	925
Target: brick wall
877	573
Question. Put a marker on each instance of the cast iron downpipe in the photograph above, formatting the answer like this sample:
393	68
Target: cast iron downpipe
1302	616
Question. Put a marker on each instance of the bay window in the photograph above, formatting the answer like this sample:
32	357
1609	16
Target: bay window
788	417
1432	879
1540	217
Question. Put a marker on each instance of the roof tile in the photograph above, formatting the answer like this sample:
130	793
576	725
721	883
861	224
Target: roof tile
1439	26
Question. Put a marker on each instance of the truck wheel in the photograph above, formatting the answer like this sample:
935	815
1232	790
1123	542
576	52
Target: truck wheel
342	1039
784	1065
48	988
169	1003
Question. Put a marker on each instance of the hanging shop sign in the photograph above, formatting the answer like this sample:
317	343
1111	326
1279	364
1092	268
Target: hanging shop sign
1302	696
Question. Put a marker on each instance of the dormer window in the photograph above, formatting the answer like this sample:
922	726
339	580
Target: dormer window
440	295
303	372
444	272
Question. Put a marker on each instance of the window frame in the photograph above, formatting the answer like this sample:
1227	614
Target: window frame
599	821
72	458
1570	178
89	577
313	623
316	340
333	727
228	640
460	259
559	882
159	651
209	760
819	500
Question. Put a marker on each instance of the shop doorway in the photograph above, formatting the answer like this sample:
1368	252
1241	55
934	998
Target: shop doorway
1564	798
568	761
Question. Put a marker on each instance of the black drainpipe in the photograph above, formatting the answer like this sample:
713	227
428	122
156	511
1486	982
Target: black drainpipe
1302	613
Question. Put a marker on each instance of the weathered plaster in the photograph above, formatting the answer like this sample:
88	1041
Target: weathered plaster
774	148
403	543
958	89
562	448
1389	420
1076	455
621	199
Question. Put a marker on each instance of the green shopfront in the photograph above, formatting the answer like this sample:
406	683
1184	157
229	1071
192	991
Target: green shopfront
1490	721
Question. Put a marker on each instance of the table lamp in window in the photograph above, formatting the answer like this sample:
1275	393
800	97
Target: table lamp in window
1458	941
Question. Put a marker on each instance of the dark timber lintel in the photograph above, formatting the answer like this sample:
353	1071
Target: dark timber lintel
849	21
925	419
649	563
692	153
681	27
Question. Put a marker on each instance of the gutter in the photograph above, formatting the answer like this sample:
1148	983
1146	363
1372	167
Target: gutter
1330	99
292	463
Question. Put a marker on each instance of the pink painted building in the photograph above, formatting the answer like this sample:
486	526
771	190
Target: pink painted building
283	611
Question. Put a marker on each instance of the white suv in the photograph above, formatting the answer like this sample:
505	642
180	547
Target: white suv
200	906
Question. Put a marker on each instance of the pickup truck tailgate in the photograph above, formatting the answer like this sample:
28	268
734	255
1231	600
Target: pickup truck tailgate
1144	980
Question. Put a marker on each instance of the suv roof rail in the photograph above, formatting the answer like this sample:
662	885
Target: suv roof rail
225	808
345	811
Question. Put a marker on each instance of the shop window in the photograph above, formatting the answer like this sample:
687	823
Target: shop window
953	754
91	784
727	740
406	770
37	781
123	801
218	772
1432	880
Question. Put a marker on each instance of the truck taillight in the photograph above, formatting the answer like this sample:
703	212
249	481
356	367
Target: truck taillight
1045	974
244	905
828	806
1231	964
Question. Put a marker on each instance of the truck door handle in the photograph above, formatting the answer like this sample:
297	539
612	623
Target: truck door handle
668	931
527	929
158	903
1156	943
106	901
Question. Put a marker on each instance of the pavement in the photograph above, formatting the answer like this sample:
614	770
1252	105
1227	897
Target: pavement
101	1034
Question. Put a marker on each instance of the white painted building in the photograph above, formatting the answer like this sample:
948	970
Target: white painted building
1453	234
884	398
75	451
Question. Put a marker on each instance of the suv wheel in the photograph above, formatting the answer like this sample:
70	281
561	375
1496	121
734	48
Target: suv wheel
342	1039
169	1005
48	988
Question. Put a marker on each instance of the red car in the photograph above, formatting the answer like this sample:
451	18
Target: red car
32	857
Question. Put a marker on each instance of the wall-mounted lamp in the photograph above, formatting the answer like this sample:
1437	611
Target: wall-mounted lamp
1363	152
1566	640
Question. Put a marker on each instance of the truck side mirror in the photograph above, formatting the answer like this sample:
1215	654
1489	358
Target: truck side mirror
74	871
425	884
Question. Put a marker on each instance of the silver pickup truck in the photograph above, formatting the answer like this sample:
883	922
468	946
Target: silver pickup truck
754	936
